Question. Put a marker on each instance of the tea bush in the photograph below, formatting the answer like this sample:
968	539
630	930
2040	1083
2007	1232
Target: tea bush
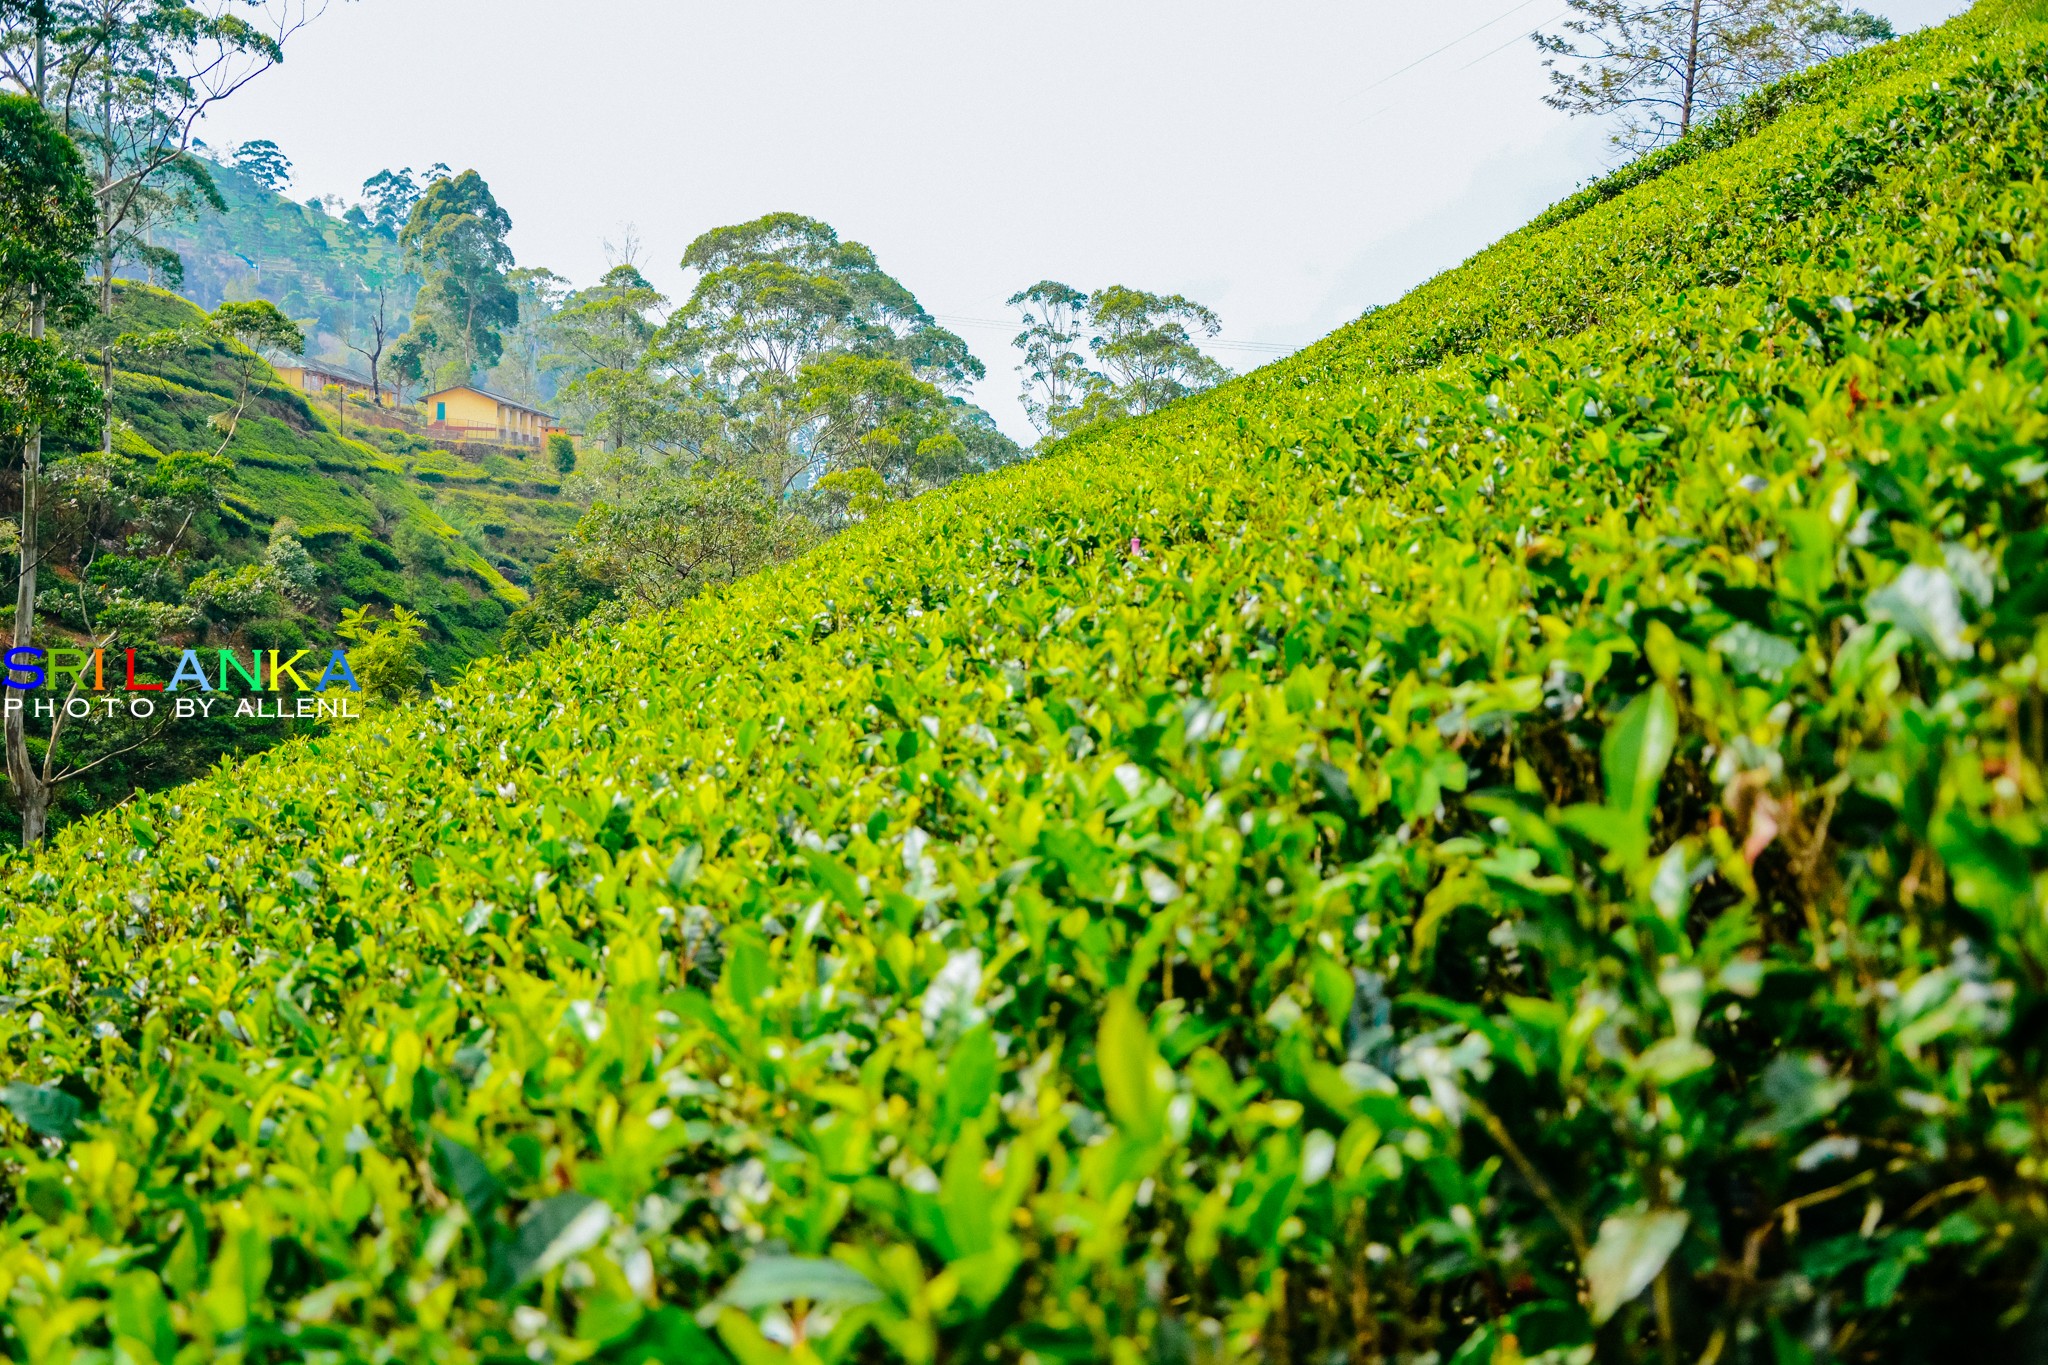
1516	835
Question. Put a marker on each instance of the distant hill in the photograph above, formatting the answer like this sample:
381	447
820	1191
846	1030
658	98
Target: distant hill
486	517
189	537
324	272
305	524
318	268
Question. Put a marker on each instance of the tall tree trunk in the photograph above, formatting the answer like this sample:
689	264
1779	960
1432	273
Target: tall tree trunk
107	350
375	353
107	226
31	793
1692	70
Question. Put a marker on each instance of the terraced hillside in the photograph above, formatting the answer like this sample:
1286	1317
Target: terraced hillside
422	527
189	537
1515	835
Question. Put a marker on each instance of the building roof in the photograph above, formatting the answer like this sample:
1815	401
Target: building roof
491	394
328	368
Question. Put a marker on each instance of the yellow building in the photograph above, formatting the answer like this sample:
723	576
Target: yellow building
314	378
468	413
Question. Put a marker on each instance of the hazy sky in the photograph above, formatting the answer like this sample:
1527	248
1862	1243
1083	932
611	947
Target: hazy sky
1289	163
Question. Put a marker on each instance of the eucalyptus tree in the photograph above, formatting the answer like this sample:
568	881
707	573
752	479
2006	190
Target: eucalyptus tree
391	194
1667	66
1056	374
610	325
603	339
872	411
264	162
455	241
523	369
1145	344
796	359
774	298
1142	348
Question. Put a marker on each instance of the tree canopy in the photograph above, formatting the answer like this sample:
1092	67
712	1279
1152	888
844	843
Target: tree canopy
455	240
47	213
1143	346
391	194
773	294
796	359
1667	66
264	162
1056	375
47	220
603	336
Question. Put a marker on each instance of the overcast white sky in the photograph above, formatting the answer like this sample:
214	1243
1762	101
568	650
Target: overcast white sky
1289	163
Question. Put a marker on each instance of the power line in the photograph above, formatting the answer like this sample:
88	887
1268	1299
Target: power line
1436	52
1516	39
1494	52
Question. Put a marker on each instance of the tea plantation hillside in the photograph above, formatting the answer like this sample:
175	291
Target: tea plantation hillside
201	530
385	524
1517	835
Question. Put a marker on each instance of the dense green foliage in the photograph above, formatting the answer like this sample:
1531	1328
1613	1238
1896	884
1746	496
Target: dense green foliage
46	223
1517	833
797	370
455	240
290	463
796	354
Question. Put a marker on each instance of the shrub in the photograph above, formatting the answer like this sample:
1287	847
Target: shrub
386	656
419	548
291	569
376	552
230	594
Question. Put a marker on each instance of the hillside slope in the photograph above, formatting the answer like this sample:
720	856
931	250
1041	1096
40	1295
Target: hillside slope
1517	834
305	525
354	498
318	268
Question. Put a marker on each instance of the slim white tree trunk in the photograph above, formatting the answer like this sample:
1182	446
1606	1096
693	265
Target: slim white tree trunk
31	793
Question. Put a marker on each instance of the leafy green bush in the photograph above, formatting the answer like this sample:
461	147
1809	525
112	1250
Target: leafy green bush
420	548
387	660
1515	835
